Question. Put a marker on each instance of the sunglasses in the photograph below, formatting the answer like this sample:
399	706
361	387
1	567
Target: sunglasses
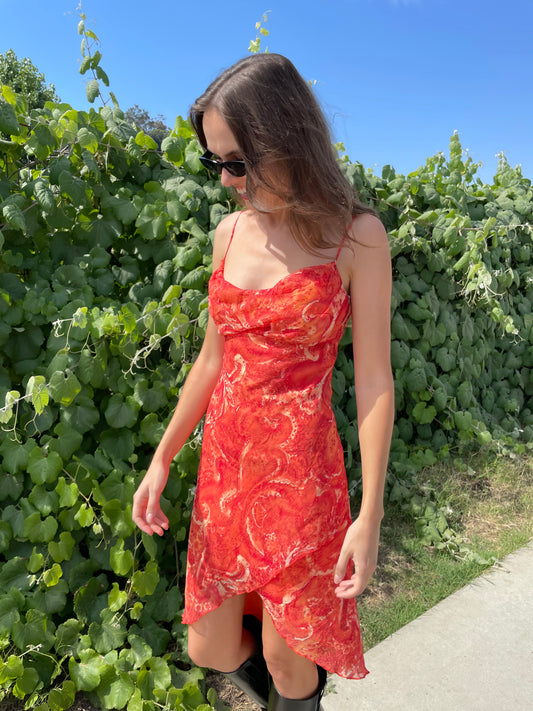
237	168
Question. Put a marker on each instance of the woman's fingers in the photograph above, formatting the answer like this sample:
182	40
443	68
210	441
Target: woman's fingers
157	521
147	514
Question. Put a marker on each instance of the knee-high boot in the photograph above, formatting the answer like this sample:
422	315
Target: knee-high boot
252	676
277	702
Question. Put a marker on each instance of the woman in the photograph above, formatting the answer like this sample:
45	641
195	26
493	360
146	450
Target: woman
271	517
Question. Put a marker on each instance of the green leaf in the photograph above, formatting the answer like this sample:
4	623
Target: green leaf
85	515
52	600
87	140
86	673
35	561
91	369
37	630
26	684
38	530
15	454
85	64
102	75
424	414
67	636
174	149
73	187
44	195
53	575
64	387
63	550
62	699
92	90
150	545
14	217
9	611
117	598
116	692
37	390
118	444
121	560
89	600
44	468
95	61
463	421
67	442
110	634
144	582
136	702
14	575
140	651
152	222
154	675
121	412
118	518
43	500
6	534
8	120
12	669
68	493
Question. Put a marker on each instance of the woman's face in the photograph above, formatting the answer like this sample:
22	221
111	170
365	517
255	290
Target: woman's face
222	143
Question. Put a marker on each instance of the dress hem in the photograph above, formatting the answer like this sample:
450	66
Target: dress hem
191	619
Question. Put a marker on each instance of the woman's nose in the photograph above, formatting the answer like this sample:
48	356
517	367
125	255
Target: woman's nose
226	178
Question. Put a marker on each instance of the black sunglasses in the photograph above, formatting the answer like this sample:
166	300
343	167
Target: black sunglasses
237	168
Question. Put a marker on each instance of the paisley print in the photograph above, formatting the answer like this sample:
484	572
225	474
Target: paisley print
271	507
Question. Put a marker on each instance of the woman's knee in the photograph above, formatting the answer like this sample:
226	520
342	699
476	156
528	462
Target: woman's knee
206	651
293	675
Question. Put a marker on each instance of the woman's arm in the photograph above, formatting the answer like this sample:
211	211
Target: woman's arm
370	289
192	404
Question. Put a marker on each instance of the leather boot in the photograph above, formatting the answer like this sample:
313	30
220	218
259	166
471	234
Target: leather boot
252	676
277	702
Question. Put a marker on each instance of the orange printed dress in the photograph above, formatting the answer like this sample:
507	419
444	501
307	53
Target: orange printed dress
271	506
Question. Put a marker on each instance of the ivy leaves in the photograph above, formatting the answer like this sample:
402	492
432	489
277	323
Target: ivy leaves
98	325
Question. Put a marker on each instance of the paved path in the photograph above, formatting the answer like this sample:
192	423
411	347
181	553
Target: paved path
471	652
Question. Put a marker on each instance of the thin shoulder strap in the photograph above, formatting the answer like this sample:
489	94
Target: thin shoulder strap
344	238
232	233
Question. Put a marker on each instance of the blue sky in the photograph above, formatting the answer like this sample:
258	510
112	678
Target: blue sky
395	77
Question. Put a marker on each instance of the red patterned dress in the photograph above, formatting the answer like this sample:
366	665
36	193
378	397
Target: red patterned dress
271	507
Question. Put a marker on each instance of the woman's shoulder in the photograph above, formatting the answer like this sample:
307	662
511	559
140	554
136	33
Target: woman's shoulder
223	235
367	230
365	249
226	225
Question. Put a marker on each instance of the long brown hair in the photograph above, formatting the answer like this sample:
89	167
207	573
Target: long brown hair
285	141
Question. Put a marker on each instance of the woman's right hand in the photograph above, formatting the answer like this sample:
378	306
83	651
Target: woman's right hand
147	513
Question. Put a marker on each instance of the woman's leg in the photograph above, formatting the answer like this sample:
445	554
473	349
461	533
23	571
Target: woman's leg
218	641
294	677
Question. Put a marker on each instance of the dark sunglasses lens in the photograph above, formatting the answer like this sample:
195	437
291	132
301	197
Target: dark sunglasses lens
236	168
211	165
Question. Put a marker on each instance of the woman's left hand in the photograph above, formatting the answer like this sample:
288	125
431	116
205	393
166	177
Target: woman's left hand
361	548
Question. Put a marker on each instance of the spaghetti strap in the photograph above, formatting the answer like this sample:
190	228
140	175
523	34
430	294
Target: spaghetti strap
343	239
232	233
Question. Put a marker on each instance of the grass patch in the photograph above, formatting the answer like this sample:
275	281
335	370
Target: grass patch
490	500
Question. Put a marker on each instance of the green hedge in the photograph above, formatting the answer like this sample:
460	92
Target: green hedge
105	258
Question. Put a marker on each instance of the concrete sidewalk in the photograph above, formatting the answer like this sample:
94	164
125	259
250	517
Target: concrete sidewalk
471	652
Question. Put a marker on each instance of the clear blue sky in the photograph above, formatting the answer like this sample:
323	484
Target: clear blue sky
396	77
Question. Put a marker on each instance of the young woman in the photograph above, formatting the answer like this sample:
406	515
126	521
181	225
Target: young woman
271	518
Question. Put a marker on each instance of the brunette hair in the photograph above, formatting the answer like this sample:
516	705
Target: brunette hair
286	145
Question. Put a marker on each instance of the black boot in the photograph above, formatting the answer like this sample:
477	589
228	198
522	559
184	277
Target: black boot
277	702
252	676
